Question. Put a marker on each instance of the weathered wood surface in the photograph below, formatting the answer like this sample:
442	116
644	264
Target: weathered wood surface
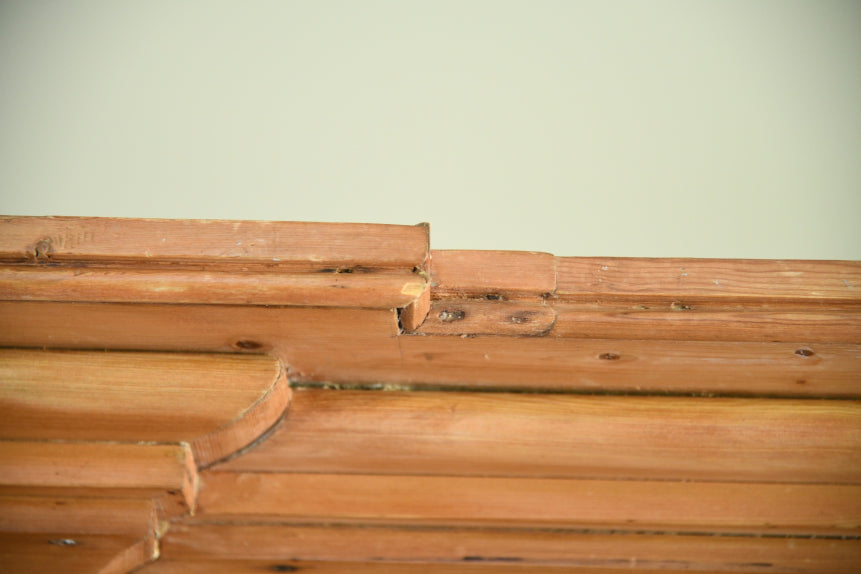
533	502
83	554
289	245
127	516
217	403
469	567
165	473
363	346
471	317
384	290
501	434
681	322
472	479
696	281
492	275
194	541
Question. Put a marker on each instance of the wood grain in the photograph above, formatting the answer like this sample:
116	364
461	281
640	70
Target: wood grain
497	274
135	517
363	346
500	434
597	365
380	544
695	281
382	290
218	403
522	502
473	317
85	554
258	566
293	245
326	567
113	470
809	325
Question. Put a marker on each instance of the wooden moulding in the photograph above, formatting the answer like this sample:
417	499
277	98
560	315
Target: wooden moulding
274	544
217	403
475	317
135	517
362	346
385	289
697	281
212	262
289	245
492	275
81	554
532	502
532	435
165	473
683	322
66	534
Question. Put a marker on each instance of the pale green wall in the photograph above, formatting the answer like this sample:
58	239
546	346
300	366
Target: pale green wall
659	128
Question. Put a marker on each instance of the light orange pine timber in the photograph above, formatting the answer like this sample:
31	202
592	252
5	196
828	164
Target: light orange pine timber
379	544
534	502
165	473
812	324
85	554
415	313
500	434
490	567
383	289
362	346
218	403
504	274
291	245
73	516
596	365
473	317
696	281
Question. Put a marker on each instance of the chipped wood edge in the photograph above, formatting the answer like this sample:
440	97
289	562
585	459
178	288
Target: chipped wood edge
247	428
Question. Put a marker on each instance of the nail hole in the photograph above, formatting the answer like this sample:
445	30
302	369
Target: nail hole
804	353
447	316
609	356
248	344
43	249
493	297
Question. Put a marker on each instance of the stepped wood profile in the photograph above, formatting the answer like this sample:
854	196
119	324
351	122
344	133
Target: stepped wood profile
248	397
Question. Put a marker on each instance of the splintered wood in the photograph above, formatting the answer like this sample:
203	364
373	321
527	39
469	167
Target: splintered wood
230	397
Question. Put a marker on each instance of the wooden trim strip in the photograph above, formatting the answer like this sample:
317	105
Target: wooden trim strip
218	403
687	323
383	290
362	346
382	544
128	470
329	567
501	434
26	553
292	245
698	281
492	274
476	317
523	502
129	516
599	365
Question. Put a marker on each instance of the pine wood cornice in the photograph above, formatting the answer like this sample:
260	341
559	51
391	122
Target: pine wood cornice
257	396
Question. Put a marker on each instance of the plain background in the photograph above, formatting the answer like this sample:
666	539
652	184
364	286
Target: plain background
660	128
